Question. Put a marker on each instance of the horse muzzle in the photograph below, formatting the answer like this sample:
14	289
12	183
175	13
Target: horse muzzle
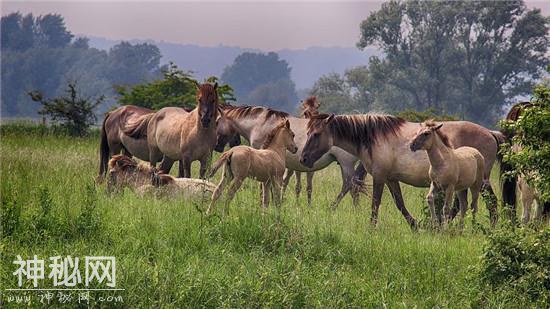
306	161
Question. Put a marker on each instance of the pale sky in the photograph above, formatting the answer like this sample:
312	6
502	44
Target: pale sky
265	25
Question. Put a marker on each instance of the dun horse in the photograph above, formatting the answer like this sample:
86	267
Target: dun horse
381	142
310	107
126	172
451	170
176	134
266	165
254	123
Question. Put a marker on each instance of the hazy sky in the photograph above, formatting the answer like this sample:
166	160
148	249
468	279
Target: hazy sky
266	25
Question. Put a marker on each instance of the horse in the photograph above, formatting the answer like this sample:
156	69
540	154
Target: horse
266	165
381	142
310	107
126	172
254	123
451	170
511	184
176	134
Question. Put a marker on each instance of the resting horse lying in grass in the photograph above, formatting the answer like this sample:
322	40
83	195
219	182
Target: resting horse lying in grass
126	172
266	165
451	170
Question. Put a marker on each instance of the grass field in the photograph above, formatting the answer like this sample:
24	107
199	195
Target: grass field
169	255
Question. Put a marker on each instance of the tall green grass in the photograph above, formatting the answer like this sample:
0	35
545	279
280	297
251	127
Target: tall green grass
169	255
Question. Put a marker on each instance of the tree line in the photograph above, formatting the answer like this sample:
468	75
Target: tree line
466	58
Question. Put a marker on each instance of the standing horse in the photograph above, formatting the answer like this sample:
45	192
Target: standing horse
513	184
381	142
254	123
451	170
176	134
266	165
310	107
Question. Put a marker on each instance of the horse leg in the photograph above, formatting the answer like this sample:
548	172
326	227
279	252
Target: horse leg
217	192
186	166
395	190
431	204
203	168
449	193
377	190
180	169
347	176
298	188
276	191
527	202
309	176
286	179
231	192
265	194
463	201
166	165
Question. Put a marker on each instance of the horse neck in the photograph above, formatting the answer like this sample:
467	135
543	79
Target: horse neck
277	145
257	124
439	154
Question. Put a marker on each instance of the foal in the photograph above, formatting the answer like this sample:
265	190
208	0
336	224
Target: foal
450	169
266	165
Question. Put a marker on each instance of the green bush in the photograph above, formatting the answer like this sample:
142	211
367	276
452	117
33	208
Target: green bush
516	265
430	113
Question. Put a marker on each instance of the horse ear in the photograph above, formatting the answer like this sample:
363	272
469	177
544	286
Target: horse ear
287	124
215	85
439	126
329	119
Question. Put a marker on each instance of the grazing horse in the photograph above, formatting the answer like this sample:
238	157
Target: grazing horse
310	107
254	123
126	172
176	134
381	142
513	184
451	170
266	165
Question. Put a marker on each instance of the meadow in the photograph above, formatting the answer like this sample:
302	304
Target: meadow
168	254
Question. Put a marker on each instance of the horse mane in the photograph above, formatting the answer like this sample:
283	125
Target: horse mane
444	138
515	111
271	136
138	128
309	107
246	110
360	130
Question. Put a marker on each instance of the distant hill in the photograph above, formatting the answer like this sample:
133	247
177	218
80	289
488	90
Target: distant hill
307	64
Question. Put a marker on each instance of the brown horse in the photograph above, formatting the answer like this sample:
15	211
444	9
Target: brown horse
126	172
266	165
382	144
451	170
254	123
513	184
176	134
310	107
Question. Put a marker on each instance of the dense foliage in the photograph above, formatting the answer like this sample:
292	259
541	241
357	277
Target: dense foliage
39	53
177	88
262	79
73	112
532	132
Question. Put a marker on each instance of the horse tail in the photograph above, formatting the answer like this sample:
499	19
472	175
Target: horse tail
508	182
104	151
223	160
138	129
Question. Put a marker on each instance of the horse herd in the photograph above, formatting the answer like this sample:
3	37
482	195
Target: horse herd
450	156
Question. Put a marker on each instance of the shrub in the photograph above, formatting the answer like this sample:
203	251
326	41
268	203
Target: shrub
430	113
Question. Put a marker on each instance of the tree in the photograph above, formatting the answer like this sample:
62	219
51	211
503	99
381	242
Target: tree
253	75
75	112
51	31
468	58
133	64
177	88
17	31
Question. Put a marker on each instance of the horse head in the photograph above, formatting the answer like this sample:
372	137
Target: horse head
207	103
319	139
